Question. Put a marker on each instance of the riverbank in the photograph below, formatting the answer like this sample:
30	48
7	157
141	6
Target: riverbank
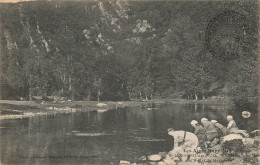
11	109
197	157
233	149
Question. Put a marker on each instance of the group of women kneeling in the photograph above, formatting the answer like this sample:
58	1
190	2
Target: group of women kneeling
209	132
206	135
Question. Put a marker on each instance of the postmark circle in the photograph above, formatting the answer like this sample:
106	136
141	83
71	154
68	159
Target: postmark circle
225	35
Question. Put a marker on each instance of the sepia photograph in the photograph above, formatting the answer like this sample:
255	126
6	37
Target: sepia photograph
129	82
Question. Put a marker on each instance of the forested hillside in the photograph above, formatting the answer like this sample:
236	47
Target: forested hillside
119	50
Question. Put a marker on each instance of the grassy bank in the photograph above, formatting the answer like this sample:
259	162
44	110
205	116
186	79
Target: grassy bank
10	109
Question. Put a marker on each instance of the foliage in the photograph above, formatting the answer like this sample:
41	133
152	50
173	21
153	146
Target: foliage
120	51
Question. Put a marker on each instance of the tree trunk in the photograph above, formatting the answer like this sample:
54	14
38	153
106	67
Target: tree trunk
72	95
44	95
98	94
71	89
70	86
89	94
196	96
151	96
129	95
30	93
203	97
30	88
62	78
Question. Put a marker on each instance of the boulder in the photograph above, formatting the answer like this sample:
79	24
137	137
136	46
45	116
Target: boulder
184	158
254	152
163	154
142	158
248	141
194	157
231	137
101	104
161	163
189	163
232	147
102	110
176	159
169	161
155	157
216	148
124	162
200	156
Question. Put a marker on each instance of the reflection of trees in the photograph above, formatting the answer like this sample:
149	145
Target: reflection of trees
99	116
147	119
176	116
196	106
71	121
93	117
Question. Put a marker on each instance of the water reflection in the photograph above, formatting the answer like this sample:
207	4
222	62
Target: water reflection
94	137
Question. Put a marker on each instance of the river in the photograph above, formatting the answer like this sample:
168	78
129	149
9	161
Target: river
93	137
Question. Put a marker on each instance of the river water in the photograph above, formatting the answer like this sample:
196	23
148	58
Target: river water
94	137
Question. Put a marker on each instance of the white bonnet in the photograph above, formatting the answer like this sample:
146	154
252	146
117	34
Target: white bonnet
193	122
204	119
213	121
